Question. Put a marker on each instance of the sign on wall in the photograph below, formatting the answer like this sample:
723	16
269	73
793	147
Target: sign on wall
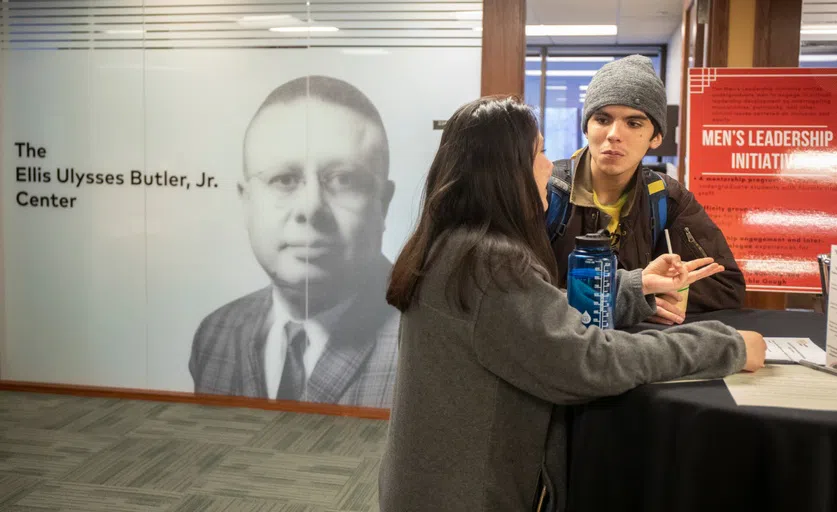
763	163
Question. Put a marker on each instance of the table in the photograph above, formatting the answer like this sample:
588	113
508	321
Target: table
688	447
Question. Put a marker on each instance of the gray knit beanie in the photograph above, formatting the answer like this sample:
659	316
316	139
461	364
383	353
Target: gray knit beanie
631	82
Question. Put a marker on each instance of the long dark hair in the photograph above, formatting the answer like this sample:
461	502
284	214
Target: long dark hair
481	184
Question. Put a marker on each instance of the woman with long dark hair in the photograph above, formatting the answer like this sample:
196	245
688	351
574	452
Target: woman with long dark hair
490	351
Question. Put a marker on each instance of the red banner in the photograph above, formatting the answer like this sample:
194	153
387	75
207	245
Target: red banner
763	163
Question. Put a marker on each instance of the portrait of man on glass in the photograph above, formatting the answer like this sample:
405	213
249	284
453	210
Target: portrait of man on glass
315	190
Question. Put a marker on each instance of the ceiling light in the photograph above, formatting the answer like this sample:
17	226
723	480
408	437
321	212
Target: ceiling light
556	87
581	59
561	72
571	30
822	29
582	87
468	15
572	59
365	51
820	32
260	19
304	29
817	58
125	31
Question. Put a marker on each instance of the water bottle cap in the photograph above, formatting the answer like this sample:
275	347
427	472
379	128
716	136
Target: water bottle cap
600	239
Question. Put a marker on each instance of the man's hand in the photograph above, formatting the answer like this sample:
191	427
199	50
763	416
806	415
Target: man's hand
668	274
667	311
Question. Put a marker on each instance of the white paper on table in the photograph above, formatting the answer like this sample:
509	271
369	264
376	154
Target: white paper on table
785	385
792	350
683	381
831	335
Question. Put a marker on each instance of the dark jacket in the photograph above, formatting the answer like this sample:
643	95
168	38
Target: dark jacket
693	235
473	422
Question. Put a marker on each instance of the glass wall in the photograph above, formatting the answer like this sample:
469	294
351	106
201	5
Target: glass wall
187	186
556	83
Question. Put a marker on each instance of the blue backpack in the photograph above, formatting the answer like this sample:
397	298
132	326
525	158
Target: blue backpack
558	197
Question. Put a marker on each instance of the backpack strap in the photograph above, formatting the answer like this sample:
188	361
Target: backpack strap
558	198
658	200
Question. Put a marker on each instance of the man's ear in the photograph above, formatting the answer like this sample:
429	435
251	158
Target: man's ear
656	141
386	196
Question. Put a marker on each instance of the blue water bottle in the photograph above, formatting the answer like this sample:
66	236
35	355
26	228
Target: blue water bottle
591	279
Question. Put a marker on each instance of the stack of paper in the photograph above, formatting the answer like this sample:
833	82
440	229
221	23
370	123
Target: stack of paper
792	350
785	385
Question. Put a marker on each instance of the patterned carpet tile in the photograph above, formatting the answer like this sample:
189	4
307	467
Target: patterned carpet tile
361	490
115	417
68	497
311	479
206	503
325	435
14	487
47	453
42	411
72	454
153	464
221	425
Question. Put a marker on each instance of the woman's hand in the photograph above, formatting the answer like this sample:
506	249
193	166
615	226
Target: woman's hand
755	348
668	310
668	274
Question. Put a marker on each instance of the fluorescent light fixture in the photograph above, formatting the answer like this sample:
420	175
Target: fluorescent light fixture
468	15
572	59
561	72
364	51
556	87
818	58
580	59
582	87
820	32
125	31
304	29
264	18
571	30
820	29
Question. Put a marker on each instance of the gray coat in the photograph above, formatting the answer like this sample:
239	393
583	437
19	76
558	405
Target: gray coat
474	415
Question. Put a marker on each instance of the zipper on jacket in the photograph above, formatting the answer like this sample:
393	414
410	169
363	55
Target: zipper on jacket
694	242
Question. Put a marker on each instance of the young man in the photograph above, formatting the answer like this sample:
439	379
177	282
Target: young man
605	187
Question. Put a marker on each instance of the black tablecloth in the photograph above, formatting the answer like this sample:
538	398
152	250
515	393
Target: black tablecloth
688	447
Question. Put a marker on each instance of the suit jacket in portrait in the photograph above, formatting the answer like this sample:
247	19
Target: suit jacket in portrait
356	368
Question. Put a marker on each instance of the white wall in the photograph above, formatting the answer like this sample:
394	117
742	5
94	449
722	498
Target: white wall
673	62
